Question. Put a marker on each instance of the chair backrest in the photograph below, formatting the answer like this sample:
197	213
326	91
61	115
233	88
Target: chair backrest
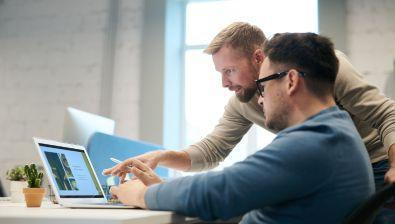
366	213
101	147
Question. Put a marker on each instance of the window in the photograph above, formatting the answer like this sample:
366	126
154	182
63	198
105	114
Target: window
205	98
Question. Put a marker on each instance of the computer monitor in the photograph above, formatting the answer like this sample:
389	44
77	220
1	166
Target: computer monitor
79	126
2	192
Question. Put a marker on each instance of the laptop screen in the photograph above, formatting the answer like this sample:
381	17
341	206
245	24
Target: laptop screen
71	172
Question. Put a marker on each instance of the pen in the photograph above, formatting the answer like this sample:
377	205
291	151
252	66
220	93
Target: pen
115	160
129	167
118	162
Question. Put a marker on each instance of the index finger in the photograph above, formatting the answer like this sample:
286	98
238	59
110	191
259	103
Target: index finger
140	165
121	167
108	170
143	167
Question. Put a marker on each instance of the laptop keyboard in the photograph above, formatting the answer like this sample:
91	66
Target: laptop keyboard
113	202
108	203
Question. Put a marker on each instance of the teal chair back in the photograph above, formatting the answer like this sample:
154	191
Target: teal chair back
101	147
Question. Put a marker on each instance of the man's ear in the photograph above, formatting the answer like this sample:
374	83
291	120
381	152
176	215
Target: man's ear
293	82
258	56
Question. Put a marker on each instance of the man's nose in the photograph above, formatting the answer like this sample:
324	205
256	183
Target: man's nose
225	81
260	100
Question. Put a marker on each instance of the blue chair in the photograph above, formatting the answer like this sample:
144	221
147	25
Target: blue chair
101	147
366	213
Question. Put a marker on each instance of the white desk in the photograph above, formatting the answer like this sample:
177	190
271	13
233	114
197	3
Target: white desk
15	213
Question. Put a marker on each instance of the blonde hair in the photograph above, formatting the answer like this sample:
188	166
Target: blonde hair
239	35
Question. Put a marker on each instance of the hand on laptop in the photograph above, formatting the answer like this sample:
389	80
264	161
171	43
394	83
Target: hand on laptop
144	173
136	167
130	193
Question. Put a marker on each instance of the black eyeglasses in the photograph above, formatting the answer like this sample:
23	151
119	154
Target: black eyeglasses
259	82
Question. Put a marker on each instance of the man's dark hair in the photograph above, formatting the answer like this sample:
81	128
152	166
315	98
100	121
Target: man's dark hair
310	53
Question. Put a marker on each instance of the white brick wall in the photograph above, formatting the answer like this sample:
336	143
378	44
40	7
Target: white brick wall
371	41
51	55
127	68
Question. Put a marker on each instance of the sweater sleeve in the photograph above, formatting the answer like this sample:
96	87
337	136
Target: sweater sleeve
270	176
211	150
365	101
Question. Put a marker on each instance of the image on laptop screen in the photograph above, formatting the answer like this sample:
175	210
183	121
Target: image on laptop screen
71	172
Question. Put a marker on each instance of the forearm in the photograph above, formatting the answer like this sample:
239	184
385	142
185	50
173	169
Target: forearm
391	156
237	189
199	195
390	175
215	147
178	160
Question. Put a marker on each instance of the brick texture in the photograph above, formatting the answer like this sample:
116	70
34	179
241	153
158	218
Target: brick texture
51	57
370	41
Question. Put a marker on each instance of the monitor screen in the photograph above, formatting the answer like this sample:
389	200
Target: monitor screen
79	126
70	172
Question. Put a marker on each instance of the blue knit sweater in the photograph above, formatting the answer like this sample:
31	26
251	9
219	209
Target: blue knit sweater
314	172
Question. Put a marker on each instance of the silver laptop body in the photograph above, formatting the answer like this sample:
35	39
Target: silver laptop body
71	175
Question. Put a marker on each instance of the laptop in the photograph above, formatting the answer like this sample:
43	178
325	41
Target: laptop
71	175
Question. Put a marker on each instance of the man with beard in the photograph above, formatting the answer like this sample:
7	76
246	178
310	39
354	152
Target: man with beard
237	53
316	170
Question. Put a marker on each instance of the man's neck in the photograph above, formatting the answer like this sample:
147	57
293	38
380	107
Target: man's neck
307	107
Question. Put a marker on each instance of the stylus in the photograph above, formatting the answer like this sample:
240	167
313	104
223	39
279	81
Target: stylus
118	162
115	160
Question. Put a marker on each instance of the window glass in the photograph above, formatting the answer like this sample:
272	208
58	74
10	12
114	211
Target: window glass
205	98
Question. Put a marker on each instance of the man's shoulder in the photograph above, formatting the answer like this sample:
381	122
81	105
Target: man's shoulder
315	140
340	54
342	57
251	106
329	123
346	71
325	117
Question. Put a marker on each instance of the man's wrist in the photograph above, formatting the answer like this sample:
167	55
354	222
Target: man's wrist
174	159
142	203
391	155
184	160
162	156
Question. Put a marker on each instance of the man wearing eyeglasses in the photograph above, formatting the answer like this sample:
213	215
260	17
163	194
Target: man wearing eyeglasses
316	170
237	55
